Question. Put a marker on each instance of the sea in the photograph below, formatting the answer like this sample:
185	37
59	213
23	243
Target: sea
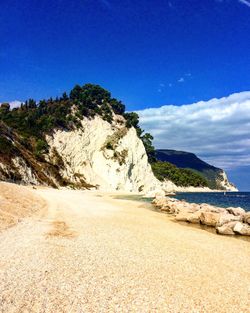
220	199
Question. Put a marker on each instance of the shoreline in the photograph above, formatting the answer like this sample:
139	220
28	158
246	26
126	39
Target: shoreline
225	220
171	217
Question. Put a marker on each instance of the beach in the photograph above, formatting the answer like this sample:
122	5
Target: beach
87	251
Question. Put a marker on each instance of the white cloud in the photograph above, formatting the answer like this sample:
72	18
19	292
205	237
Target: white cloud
247	3
217	130
14	104
181	80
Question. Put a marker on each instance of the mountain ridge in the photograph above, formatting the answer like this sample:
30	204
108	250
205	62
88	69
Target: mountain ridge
216	177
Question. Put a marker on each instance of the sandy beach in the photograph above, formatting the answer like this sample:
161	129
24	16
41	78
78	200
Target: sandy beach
84	251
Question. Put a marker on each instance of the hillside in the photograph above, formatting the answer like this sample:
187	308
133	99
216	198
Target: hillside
82	140
216	177
87	140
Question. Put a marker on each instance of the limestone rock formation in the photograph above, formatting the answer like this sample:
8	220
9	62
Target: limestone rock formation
108	156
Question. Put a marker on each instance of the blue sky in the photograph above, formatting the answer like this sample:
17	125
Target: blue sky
148	53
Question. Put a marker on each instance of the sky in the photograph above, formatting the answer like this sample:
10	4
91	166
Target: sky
149	54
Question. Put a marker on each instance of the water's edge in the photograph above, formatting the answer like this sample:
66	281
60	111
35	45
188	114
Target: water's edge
219	199
183	196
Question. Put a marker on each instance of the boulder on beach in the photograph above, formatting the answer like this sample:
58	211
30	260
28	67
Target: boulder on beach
246	218
227	217
194	218
209	218
182	216
226	229
170	208
236	211
210	208
227	221
242	229
159	201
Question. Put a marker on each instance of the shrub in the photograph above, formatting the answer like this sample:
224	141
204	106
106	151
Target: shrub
41	147
6	146
179	176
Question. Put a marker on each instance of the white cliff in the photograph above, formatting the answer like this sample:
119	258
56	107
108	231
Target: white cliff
224	182
110	157
97	154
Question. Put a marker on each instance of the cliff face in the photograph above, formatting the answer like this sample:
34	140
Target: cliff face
98	154
216	177
102	155
110	157
225	184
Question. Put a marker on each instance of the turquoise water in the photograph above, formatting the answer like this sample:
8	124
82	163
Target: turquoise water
229	199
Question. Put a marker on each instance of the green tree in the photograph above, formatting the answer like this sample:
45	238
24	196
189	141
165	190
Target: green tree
75	92
132	119
4	108
147	141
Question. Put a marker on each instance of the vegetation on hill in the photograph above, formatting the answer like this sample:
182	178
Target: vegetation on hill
188	160
35	119
32	121
180	177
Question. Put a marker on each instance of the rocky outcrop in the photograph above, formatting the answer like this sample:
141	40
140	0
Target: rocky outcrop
108	156
224	183
226	221
102	155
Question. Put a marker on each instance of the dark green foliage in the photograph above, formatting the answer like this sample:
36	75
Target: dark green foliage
147	141
41	147
31	104
109	146
35	120
6	146
90	95
32	121
64	97
183	159
75	93
132	119
117	106
4	108
179	176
